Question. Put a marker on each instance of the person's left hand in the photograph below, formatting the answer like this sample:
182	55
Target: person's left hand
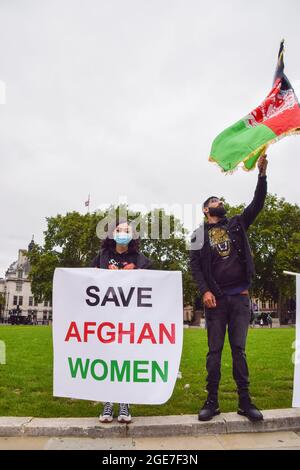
262	164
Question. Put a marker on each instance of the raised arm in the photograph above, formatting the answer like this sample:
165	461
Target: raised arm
253	209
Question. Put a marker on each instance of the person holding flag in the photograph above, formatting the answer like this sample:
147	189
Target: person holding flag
222	266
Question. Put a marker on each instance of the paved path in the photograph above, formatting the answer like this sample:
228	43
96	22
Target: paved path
279	430
151	426
272	440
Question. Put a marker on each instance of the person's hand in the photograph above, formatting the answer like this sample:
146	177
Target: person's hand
262	164
209	300
129	266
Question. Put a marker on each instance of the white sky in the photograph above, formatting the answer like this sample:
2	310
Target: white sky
124	97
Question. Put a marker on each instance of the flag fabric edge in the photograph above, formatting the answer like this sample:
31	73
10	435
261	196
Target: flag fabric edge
295	131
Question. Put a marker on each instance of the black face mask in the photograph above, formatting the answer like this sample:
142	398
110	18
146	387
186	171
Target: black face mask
217	211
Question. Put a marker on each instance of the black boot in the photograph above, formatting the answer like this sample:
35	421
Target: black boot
248	409
209	409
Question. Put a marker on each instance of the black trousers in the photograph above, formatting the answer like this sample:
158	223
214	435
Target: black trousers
232	311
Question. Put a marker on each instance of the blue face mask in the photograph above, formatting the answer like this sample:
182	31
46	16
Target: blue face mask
122	238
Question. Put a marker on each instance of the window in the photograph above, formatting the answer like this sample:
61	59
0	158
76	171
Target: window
20	274
45	315
45	303
50	303
35	303
19	286
263	304
30	301
20	300
15	300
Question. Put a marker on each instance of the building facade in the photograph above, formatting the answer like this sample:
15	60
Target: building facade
268	306
18	300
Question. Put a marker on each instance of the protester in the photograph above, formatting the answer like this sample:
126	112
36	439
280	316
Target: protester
120	250
223	267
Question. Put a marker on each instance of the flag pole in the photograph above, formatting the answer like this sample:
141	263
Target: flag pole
87	204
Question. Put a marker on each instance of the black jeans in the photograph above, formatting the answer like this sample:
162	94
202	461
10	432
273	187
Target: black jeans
232	311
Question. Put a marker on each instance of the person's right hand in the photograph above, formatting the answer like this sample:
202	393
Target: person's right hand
209	300
262	164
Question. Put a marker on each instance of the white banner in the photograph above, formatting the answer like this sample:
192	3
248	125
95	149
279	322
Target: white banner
296	394
117	335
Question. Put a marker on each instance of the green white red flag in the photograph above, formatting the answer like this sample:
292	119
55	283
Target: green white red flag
247	139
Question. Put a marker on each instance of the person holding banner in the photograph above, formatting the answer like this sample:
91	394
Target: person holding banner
222	266
120	250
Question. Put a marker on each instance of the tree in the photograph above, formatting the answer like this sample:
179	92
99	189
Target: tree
71	241
275	241
2	303
169	250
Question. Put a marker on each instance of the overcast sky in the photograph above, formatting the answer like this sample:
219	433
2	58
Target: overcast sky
124	97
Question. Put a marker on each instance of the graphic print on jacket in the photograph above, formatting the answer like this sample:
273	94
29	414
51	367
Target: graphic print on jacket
122	261
219	240
228	269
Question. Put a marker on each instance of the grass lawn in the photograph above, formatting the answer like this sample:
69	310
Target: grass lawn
26	379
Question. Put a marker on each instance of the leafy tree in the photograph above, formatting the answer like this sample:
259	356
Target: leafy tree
275	241
2	303
169	250
71	241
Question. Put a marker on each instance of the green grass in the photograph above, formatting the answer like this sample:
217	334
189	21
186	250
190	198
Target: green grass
26	379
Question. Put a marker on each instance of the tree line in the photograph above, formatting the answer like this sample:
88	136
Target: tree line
70	240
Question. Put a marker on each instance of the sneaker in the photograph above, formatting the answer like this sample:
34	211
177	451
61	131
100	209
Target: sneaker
108	413
124	414
209	410
248	409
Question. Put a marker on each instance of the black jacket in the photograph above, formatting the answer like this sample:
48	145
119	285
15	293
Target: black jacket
200	258
101	260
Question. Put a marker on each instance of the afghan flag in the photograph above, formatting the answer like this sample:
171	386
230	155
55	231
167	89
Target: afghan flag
247	139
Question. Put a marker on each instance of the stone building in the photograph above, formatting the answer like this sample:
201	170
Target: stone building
18	298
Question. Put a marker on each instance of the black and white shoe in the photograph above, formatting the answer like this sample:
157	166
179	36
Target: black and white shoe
124	414
108	413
